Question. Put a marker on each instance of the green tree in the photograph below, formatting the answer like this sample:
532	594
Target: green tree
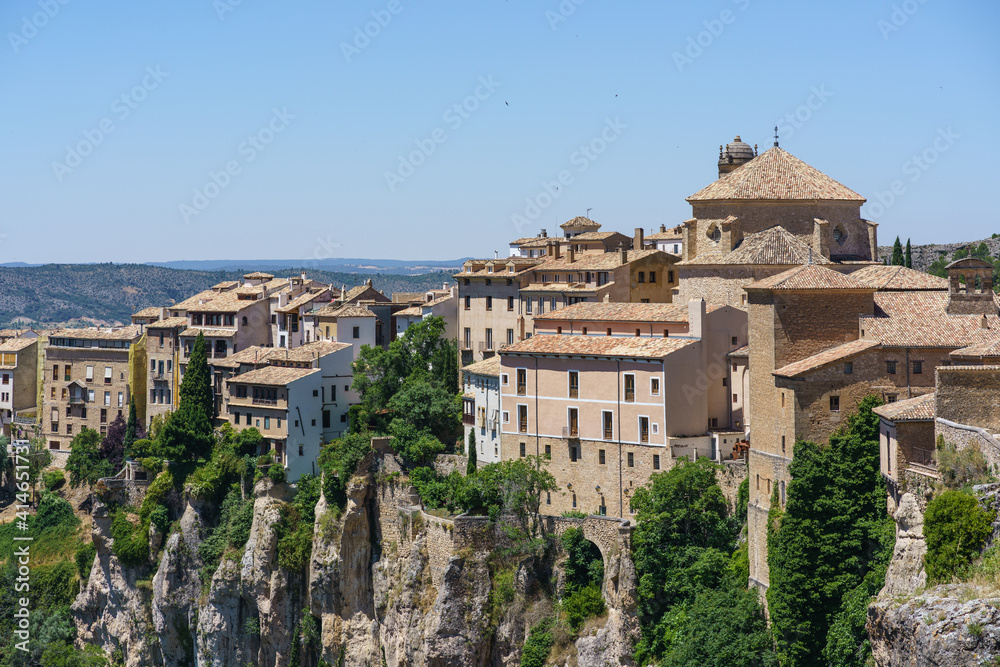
85	464
188	435
832	533
956	528
908	261
897	254
470	468
132	429
113	444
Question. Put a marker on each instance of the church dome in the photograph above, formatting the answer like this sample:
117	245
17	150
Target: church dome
735	154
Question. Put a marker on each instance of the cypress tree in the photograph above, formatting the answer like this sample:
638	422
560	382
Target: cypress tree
188	434
131	427
909	257
471	467
897	253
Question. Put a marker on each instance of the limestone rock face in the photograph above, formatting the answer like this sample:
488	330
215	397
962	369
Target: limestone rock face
935	629
340	583
906	569
175	601
111	611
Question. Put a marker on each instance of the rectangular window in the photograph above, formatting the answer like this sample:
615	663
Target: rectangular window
890	367
631	460
267	422
523	448
506	417
541	305
527	305
735	398
503	379
489	303
573	454
468	303
107	398
510	338
121	400
552	303
891	398
654	386
835	404
574	384
522	419
107	374
848	367
236	418
522	381
629	388
357	332
918	367
326	419
301	450
652	276
782	444
548	451
90	373
600	456
642	277
656	461
510	303
489	339
55	372
643	429
468	338
670	276
608	424
573	417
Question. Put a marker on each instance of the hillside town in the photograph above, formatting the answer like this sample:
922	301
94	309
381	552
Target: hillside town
761	321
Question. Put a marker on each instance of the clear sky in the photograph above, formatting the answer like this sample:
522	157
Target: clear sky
243	129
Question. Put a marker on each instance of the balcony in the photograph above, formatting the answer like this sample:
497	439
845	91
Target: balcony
630	396
469	419
571	431
486	346
265	401
522	426
467	345
77	400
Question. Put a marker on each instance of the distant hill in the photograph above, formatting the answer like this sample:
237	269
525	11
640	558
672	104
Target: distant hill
103	294
936	255
337	265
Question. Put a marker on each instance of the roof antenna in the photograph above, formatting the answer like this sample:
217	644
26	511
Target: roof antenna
810	255
588	212
775	136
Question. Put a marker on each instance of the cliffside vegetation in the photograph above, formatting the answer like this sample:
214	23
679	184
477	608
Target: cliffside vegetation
830	546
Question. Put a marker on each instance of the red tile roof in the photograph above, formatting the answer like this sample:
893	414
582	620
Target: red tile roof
809	277
980	350
489	367
899	278
918	408
776	174
580	221
825	358
931	330
600	346
619	312
775	245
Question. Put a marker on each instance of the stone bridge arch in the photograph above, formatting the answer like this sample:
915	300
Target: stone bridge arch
613	537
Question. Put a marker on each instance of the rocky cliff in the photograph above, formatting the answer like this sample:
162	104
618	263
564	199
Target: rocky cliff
910	625
386	583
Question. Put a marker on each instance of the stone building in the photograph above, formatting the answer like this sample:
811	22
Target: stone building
163	352
604	438
298	399
820	341
88	375
766	214
18	380
481	408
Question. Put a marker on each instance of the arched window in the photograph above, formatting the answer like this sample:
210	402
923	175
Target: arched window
714	233
244	320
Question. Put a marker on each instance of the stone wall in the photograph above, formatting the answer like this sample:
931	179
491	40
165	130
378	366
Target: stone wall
969	395
445	464
729	478
964	436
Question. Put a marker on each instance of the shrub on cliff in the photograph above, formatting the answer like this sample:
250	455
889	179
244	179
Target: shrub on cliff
956	527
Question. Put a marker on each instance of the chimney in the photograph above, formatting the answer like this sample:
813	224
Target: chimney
556	248
983	323
624	254
696	317
638	240
570	254
544	234
607	297
663	228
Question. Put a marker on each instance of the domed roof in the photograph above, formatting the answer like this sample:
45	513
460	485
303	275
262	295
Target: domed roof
736	152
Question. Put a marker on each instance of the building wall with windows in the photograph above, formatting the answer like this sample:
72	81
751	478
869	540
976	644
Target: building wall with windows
481	409
87	376
163	352
18	379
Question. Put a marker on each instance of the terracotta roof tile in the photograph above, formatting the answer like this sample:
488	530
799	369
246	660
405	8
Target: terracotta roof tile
349	310
278	376
619	312
776	174
775	245
603	346
918	408
258	275
168	323
826	357
210	332
898	278
412	311
931	330
980	350
489	367
131	332
809	277
17	344
580	221
306	352
152	311
253	355
598	261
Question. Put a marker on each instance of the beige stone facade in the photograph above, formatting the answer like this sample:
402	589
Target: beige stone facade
87	380
18	379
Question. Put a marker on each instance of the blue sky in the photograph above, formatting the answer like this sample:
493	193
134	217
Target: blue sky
238	129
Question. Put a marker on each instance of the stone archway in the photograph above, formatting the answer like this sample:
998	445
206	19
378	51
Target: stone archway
613	538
